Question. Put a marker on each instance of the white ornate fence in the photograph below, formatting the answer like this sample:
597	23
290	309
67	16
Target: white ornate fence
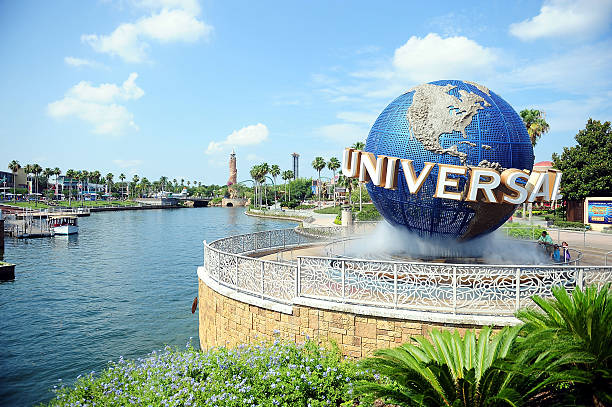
448	288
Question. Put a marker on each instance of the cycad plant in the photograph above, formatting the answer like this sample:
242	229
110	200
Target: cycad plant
450	370
572	335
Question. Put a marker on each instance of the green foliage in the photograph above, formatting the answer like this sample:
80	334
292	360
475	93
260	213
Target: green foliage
300	188
330	210
292	204
450	370
264	375
571	334
535	122
521	231
368	213
567	224
302	206
338	219
587	167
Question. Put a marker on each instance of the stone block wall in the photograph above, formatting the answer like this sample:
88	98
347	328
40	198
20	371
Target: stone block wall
224	321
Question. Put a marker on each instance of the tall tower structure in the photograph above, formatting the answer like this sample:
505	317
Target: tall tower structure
233	175
296	165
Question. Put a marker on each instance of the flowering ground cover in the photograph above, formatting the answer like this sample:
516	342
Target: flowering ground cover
267	375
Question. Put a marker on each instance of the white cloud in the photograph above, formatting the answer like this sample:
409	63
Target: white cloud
433	57
579	70
127	163
176	21
97	105
566	19
344	133
249	135
358	117
80	62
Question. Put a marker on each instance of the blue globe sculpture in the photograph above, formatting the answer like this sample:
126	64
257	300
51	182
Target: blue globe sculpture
447	122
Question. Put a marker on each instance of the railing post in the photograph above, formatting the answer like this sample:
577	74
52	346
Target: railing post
204	264
517	289
580	282
454	289
298	275
236	276
395	284
343	279
263	270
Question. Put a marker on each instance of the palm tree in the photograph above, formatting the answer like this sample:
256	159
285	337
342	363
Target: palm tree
318	164
349	184
81	176
182	181
264	169
109	182
163	180
333	165
135	180
57	172
122	178
448	370
359	146
571	332
535	121
84	180
70	174
14	166
286	176
274	171
47	172
253	173
29	169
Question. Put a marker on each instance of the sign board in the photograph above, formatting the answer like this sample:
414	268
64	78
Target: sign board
600	212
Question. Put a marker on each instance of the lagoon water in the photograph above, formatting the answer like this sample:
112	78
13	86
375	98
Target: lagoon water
122	287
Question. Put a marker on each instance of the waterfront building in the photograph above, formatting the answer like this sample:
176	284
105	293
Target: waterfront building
20	179
296	165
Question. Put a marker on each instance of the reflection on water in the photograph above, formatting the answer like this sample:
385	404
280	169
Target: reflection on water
122	287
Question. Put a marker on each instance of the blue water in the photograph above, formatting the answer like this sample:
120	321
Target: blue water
122	287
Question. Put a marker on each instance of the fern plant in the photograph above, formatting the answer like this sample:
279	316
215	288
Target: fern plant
450	370
571	335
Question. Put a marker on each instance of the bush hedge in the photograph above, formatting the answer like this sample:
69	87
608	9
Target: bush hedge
276	374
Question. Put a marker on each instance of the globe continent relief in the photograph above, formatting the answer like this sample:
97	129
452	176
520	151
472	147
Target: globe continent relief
447	122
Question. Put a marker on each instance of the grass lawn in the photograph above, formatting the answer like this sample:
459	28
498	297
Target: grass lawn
335	210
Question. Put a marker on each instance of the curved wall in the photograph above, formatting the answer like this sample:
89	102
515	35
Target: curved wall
228	318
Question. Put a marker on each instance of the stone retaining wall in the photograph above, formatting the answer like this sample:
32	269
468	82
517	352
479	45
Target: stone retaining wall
224	321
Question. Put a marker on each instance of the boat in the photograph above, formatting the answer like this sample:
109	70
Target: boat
63	225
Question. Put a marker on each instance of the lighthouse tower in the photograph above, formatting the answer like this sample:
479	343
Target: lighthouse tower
233	176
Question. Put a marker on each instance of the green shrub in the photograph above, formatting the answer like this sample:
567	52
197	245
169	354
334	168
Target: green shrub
292	204
568	224
304	206
268	375
520	231
368	213
338	219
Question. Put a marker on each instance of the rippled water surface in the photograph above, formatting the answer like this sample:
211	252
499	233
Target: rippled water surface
122	287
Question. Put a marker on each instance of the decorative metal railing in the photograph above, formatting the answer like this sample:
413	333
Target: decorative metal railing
450	288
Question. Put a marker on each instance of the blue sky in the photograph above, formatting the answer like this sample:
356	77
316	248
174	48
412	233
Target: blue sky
169	87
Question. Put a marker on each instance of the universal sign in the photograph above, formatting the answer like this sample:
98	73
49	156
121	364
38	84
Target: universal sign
383	172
